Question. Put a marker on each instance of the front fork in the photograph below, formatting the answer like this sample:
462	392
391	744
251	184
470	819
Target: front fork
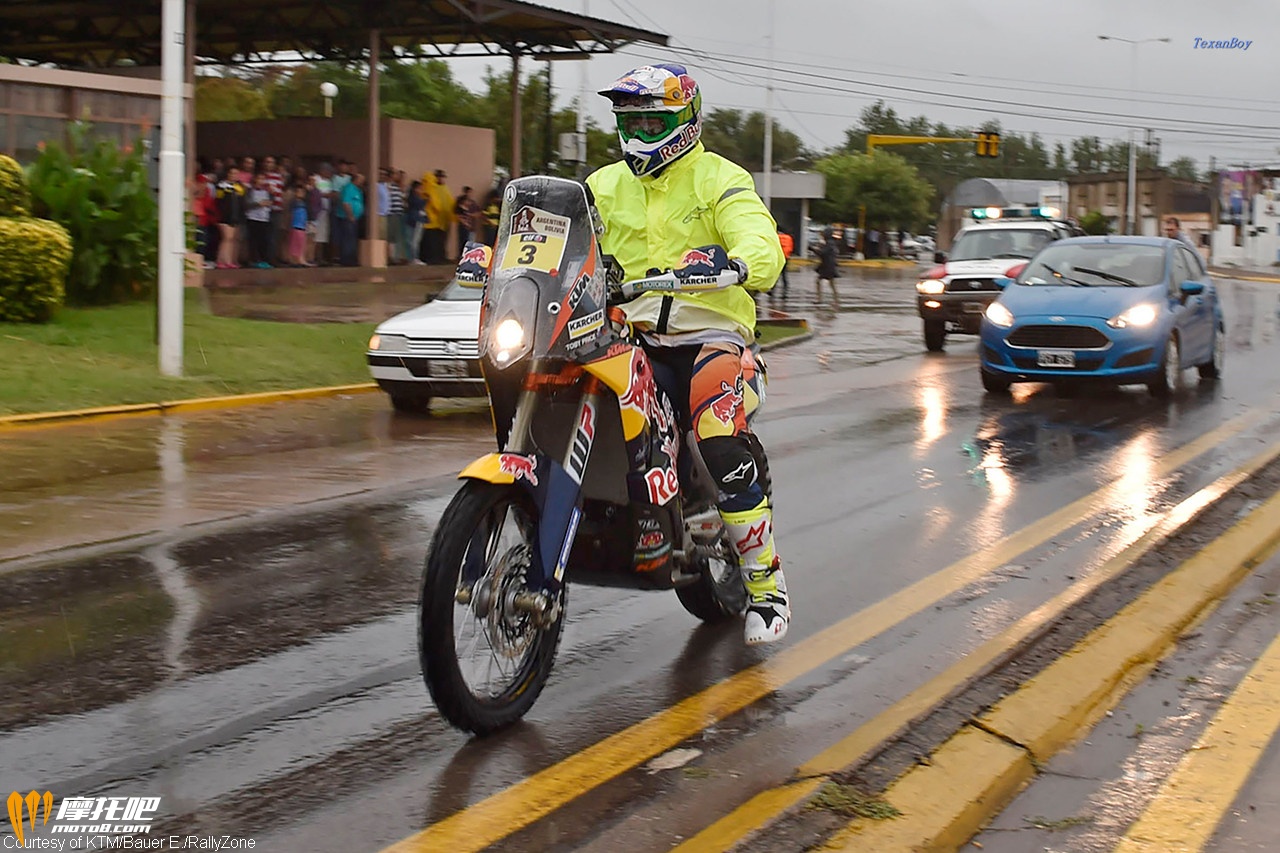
559	501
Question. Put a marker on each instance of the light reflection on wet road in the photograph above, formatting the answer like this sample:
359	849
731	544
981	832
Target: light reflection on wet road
252	660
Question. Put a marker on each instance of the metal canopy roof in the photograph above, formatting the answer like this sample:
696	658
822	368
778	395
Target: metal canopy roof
103	33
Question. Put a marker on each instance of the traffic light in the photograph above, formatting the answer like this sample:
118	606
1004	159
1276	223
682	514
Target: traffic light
988	145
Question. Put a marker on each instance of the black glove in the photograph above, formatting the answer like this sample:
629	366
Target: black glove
741	266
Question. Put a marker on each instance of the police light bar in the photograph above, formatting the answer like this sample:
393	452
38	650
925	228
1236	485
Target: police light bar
1015	213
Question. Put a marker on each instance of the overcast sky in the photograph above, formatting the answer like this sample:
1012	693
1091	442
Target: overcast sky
1035	65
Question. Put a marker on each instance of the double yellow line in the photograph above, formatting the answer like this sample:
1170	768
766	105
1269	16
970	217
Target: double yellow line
539	795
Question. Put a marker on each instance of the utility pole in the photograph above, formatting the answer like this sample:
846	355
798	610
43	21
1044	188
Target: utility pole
1131	214
768	121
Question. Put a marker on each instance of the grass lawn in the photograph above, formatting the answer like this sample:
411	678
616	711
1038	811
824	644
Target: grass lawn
89	357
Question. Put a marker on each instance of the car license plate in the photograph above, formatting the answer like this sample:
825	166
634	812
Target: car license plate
447	369
1056	358
974	307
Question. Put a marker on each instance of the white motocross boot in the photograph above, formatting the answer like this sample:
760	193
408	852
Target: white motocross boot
768	606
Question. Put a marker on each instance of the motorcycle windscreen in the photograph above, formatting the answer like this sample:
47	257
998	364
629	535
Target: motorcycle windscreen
547	276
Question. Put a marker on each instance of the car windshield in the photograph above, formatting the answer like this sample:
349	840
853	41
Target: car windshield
977	244
455	292
1096	265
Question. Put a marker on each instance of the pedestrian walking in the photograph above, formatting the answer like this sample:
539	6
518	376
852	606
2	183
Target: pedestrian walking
827	269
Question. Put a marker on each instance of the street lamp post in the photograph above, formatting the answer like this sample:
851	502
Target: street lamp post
1131	214
329	91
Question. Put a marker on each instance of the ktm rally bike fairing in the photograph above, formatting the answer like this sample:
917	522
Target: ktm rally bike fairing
596	480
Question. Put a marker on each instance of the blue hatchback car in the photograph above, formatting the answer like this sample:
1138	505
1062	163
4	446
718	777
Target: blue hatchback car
1117	310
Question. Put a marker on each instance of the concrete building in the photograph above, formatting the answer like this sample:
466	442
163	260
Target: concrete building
465	153
37	104
1158	195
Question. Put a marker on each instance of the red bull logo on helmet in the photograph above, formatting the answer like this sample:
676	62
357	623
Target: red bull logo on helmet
478	255
520	467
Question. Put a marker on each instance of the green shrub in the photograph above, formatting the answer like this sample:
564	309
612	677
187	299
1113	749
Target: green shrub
15	197
100	194
1095	222
34	256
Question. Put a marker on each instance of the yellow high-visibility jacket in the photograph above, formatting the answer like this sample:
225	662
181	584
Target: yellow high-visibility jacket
700	199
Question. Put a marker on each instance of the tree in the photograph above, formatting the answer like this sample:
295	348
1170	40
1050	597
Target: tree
892	191
229	99
1184	168
740	138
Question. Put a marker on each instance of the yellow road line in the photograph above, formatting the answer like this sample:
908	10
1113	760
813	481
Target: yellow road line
494	818
44	419
768	806
944	802
1188	807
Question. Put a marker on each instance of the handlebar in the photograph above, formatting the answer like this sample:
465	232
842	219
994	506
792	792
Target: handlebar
668	282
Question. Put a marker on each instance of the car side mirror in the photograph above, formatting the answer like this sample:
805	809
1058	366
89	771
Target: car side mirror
1002	281
939	257
1192	288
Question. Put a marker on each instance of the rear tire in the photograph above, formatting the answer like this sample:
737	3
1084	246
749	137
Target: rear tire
935	335
484	543
719	594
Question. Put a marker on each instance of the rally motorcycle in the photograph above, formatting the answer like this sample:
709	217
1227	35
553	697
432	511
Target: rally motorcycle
597	478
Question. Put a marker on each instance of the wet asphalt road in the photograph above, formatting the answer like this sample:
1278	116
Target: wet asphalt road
247	652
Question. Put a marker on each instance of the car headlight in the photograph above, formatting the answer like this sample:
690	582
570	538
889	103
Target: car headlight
388	343
509	341
1138	316
999	315
930	285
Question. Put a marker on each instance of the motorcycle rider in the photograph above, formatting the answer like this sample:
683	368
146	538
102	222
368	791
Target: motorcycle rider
668	195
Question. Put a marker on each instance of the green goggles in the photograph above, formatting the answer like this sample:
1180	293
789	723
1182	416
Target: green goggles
651	127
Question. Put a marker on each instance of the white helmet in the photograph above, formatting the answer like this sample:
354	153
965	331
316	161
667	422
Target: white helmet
659	114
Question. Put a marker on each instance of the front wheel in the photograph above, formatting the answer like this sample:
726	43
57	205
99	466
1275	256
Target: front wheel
1169	379
935	335
486	649
994	384
411	403
1213	369
719	593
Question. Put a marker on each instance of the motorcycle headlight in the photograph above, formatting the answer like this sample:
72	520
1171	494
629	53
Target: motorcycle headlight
999	315
930	285
1137	316
509	341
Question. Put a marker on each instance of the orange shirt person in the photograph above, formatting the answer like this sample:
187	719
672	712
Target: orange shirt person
788	246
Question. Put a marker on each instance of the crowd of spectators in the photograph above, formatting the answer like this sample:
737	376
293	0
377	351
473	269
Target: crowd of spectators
271	213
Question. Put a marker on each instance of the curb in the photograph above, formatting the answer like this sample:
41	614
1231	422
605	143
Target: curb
978	771
198	403
1233	276
876	264
189	405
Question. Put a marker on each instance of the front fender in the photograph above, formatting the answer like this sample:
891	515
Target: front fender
489	469
557	496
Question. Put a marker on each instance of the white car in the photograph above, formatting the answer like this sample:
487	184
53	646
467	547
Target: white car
430	351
